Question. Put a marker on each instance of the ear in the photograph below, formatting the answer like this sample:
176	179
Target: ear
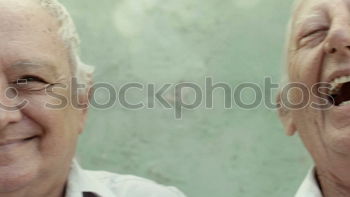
285	116
84	100
83	111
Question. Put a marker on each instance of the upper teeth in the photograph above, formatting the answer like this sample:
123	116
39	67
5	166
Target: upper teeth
337	83
344	103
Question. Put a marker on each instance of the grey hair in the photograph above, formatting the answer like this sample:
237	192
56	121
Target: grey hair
68	33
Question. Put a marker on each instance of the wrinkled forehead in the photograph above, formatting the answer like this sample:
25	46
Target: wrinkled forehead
28	31
307	8
311	8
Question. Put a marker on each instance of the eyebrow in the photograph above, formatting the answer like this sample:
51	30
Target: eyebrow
36	66
307	19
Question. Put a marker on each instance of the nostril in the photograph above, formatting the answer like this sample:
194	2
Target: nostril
333	50
348	47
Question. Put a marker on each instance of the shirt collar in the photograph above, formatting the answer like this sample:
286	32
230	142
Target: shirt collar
309	187
81	183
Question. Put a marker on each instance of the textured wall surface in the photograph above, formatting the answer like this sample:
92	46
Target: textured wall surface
208	152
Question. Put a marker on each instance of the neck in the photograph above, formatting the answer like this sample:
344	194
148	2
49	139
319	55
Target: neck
334	180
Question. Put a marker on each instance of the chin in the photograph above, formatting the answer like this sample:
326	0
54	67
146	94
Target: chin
17	176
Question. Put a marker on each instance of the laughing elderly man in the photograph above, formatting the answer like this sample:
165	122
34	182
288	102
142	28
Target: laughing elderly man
319	51
38	45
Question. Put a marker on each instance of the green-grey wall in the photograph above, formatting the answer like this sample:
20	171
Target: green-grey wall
209	152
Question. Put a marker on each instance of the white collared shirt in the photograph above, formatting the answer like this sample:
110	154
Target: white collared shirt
85	183
309	188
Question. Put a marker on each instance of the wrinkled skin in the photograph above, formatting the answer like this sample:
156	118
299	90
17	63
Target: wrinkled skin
319	50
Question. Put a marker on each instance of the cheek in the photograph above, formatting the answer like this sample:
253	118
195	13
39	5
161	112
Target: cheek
307	119
304	70
306	65
60	126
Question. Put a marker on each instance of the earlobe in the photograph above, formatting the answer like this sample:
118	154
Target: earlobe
290	128
82	119
286	118
84	99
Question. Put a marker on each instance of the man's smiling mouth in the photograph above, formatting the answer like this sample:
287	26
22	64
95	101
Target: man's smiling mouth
339	92
9	143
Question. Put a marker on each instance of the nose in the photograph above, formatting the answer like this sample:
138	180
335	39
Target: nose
338	42
9	107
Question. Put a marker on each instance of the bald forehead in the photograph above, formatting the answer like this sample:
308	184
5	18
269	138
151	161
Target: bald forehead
19	4
24	10
302	6
28	33
17	15
308	13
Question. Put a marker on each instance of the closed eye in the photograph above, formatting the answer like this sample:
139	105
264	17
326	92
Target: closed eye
310	33
312	38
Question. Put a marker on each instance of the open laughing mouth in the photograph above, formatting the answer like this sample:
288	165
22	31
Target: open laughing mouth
339	92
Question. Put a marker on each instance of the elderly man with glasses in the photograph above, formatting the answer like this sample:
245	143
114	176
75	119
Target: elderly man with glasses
39	133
